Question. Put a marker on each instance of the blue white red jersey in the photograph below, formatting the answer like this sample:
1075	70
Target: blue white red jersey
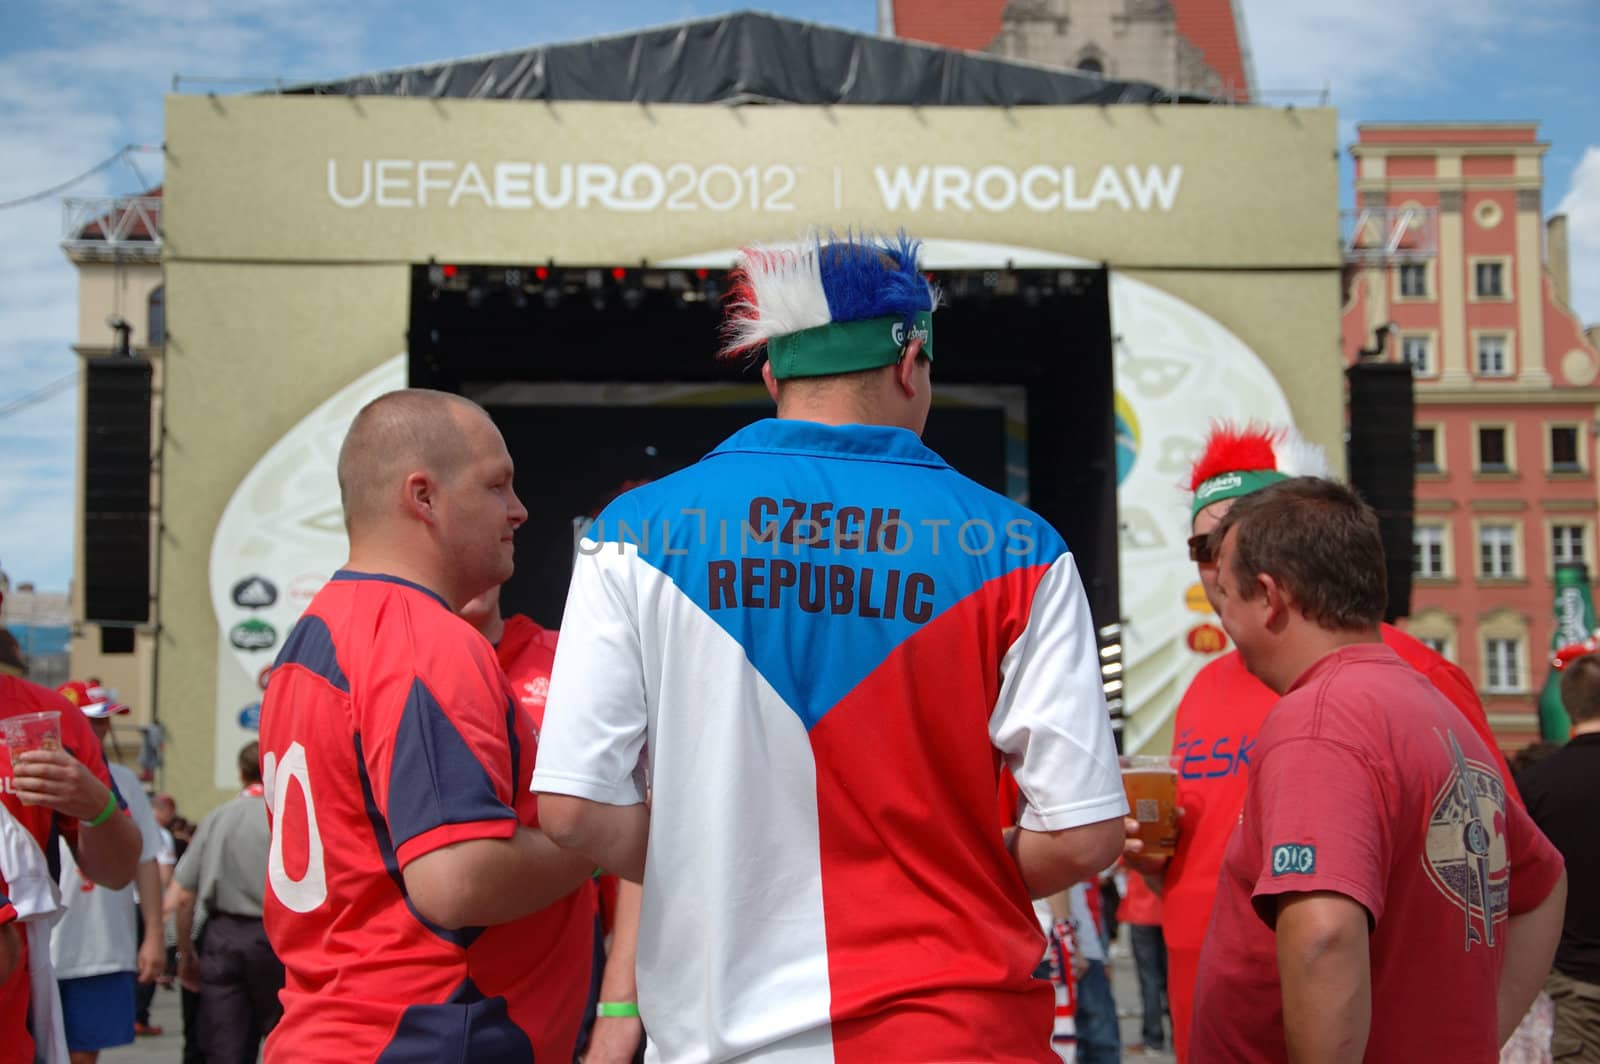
831	642
389	731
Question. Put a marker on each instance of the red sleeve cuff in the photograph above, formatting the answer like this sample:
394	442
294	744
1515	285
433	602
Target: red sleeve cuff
8	914
445	834
1267	893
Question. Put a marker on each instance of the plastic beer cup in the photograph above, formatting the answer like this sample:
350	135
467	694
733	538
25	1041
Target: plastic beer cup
32	731
1151	784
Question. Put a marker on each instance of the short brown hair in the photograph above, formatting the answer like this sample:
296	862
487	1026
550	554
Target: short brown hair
1580	688
250	762
393	435
1319	541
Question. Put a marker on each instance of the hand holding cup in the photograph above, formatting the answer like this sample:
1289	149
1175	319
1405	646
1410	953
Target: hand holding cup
44	773
1151	784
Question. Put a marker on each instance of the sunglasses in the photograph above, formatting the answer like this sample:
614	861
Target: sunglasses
1200	549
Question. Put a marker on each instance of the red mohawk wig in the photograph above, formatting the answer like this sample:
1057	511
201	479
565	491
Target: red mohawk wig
1237	461
1229	449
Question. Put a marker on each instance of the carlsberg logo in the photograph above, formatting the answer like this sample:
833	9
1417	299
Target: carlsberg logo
1569	616
1216	484
898	334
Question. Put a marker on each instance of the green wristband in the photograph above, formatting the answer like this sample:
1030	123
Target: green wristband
617	1008
105	814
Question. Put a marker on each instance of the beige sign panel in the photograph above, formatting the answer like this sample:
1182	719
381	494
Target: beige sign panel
399	180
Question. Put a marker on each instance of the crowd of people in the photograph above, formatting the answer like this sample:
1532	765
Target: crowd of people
823	789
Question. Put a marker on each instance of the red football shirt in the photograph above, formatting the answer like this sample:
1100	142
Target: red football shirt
387	732
1365	782
526	651
1140	905
1215	732
19	696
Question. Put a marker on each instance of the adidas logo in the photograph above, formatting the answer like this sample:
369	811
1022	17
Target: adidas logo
254	592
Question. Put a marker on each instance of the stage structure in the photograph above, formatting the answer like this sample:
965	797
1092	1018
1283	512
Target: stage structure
1120	267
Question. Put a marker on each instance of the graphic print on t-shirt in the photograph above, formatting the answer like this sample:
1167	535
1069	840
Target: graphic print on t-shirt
1466	851
534	692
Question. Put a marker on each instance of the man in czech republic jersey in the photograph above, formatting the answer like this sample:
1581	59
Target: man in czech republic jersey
1220	716
412	898
829	641
1406	907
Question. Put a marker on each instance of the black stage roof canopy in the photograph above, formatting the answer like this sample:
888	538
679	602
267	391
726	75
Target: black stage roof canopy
750	58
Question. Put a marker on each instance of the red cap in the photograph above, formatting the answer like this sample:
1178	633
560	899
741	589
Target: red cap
94	701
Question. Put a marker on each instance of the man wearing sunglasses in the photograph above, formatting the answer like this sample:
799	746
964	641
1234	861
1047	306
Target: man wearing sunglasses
1221	713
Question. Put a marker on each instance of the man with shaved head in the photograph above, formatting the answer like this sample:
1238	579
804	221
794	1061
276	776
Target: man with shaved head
415	903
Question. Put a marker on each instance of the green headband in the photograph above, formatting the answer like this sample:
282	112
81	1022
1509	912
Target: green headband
847	346
1232	485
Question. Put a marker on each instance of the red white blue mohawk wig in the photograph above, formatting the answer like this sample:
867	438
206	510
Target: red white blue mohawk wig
1237	461
830	306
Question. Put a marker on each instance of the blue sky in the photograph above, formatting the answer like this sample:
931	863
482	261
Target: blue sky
80	78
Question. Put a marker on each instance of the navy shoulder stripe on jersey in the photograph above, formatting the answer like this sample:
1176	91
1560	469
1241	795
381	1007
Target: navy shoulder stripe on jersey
310	645
435	778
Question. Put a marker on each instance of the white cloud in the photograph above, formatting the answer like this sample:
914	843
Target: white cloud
36	492
1581	205
87	77
1363	49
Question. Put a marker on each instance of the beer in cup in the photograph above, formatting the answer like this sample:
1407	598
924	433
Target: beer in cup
1151	784
31	731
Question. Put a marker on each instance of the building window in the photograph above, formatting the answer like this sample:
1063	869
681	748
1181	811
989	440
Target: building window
1497	551
1564	449
116	641
1502	671
1427	551
1414	280
1489	280
1566	544
1436	629
1091	66
156	318
1493	357
1427	449
1417	349
1492	450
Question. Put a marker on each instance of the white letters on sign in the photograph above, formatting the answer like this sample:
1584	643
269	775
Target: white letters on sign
522	186
998	189
516	185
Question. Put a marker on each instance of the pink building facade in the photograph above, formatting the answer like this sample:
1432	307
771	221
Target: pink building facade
1507	391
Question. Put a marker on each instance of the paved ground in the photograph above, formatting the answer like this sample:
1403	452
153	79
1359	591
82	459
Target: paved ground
167	1048
1125	987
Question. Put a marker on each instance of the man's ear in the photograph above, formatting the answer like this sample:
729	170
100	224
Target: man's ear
905	369
1276	596
769	380
421	495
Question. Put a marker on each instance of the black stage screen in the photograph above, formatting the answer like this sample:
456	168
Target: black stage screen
602	377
